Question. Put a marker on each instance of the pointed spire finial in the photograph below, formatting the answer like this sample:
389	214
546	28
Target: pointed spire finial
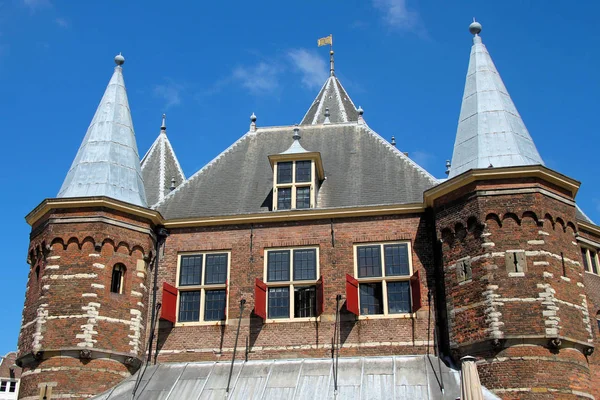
393	142
119	59
172	187
296	133
253	123
448	165
163	127
331	66
475	27
327	121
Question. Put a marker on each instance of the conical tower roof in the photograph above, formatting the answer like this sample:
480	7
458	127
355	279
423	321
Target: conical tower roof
160	168
107	162
334	98
490	130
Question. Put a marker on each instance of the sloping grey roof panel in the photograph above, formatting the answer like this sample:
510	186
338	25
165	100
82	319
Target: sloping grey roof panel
107	162
159	166
334	97
582	216
361	169
490	130
393	377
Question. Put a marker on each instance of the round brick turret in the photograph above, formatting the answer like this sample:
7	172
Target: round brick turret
513	280
84	330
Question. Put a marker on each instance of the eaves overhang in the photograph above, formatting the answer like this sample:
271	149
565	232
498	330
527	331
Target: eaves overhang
91	202
589	227
297	215
481	174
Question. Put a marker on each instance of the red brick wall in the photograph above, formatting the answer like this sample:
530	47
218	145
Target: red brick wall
548	301
297	339
70	305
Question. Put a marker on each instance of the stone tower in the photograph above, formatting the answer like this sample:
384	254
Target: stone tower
86	303
513	275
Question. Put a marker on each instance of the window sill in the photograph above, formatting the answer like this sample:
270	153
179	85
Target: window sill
387	316
592	273
516	274
201	323
287	320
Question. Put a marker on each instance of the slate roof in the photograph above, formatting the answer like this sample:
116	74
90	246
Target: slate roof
159	166
582	216
396	377
107	162
490	130
334	97
361	169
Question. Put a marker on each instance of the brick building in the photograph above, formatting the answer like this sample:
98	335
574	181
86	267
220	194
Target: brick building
10	375
299	244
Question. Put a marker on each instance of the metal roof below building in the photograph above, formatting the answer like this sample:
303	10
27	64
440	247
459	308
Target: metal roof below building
394	377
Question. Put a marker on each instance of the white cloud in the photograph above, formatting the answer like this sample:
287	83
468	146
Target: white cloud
262	78
312	67
396	14
422	158
62	22
35	5
170	92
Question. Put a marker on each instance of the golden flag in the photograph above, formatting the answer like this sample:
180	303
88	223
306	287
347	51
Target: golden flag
326	40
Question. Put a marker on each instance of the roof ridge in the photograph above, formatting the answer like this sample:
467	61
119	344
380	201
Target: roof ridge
179	169
402	156
161	175
203	169
149	152
320	106
339	101
313	103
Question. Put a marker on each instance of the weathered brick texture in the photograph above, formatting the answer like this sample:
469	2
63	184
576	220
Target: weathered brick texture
504	308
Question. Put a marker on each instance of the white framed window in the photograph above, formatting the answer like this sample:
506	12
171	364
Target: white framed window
294	186
383	272
291	276
590	260
202	279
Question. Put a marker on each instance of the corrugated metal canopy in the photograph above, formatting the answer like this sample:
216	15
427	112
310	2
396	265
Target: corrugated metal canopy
394	377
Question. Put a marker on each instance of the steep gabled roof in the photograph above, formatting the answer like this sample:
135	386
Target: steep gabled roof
159	167
332	96
361	169
107	162
490	130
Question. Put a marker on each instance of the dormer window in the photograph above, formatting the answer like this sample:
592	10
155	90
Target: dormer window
294	184
296	173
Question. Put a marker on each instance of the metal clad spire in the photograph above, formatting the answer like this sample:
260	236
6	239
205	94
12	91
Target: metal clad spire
490	130
107	162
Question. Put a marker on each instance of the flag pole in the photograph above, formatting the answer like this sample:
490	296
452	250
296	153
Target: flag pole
331	66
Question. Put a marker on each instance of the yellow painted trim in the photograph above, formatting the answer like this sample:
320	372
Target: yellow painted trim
537	171
298	215
589	227
85	202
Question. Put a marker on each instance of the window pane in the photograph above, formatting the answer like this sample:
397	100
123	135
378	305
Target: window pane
585	260
279	302
214	305
594	263
278	266
189	306
13	386
303	171
305	301
398	297
3	386
369	261
284	198
303	197
284	172
305	264
371	298
216	269
117	275
396	259
191	270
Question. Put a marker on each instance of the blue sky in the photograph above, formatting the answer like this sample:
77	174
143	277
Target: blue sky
209	65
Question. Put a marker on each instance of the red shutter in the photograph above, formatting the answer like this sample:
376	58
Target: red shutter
415	288
260	298
226	294
320	296
168	309
352	295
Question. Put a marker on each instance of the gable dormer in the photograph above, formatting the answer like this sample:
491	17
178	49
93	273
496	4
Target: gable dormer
296	175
